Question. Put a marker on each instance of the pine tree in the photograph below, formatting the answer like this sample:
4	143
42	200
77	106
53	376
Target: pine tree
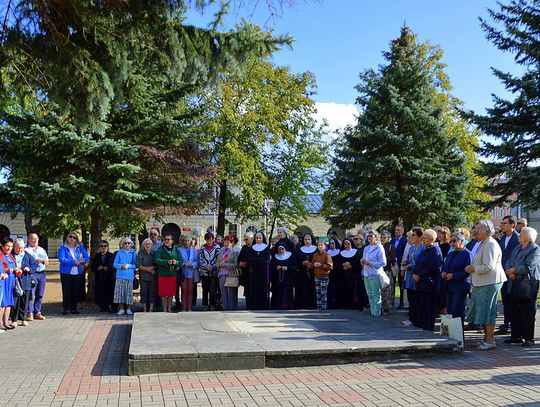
514	124
397	164
80	54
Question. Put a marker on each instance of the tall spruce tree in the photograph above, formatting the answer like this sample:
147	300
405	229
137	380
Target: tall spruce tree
397	164
514	124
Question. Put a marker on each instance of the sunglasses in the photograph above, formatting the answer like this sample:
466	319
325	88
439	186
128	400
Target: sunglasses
103	245
154	234
167	239
127	243
72	237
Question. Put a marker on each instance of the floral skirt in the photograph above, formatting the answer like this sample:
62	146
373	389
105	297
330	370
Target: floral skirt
123	291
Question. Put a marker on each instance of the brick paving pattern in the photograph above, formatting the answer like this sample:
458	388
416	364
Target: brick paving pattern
82	361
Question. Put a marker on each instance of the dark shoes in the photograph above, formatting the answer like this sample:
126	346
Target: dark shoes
514	341
528	343
503	330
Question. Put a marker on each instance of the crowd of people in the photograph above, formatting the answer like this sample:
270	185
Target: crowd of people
436	271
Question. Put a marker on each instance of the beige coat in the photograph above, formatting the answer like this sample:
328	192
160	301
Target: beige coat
487	264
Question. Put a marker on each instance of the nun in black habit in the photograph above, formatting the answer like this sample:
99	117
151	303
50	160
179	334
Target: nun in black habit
258	257
336	278
284	269
353	289
305	295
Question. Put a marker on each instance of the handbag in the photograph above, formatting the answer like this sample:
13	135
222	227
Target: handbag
385	281
522	288
17	288
180	276
231	282
136	283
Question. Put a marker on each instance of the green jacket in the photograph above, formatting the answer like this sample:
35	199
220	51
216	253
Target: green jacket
162	258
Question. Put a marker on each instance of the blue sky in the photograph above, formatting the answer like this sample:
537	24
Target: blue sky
337	39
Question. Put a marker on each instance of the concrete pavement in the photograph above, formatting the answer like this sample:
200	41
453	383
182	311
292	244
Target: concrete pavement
82	360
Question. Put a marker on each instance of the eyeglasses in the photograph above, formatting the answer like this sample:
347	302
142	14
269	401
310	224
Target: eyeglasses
154	234
167	238
72	236
103	245
127	243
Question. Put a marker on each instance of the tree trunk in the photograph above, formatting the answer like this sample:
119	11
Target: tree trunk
274	219
28	219
96	235
222	207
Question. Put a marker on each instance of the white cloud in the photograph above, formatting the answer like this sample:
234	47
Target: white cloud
338	115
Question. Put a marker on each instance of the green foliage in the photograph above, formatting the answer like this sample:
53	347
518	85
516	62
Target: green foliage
513	124
294	170
398	163
80	54
256	112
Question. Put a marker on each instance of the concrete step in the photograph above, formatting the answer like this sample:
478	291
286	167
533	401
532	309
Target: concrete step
195	341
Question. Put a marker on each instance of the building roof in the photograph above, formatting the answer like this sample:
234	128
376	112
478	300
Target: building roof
314	203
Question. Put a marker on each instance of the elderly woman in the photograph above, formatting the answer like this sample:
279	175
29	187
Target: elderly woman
125	263
335	282
388	293
71	256
427	276
243	265
190	259
146	263
304	290
523	275
227	260
373	260
104	275
284	268
28	266
11	272
457	280
208	269
168	261
487	277
409	263
259	281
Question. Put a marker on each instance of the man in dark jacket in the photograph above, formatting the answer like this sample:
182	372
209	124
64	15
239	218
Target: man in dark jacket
399	242
509	240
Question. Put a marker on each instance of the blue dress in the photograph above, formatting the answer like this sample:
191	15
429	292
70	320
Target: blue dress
9	262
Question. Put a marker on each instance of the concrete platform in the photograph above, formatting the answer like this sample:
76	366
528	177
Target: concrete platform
202	341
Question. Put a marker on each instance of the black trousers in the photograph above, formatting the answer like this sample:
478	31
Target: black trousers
427	304
210	291
71	290
522	315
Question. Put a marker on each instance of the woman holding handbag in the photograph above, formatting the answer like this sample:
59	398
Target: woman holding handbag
72	256
190	259
228	275
523	276
169	261
125	264
10	269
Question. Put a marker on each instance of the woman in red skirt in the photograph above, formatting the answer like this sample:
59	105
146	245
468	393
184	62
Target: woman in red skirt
169	261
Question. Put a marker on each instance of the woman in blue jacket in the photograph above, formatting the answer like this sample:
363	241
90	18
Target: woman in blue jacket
125	264
71	255
427	276
457	279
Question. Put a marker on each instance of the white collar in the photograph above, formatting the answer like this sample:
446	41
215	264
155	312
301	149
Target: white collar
348	253
333	252
283	256
259	247
308	249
